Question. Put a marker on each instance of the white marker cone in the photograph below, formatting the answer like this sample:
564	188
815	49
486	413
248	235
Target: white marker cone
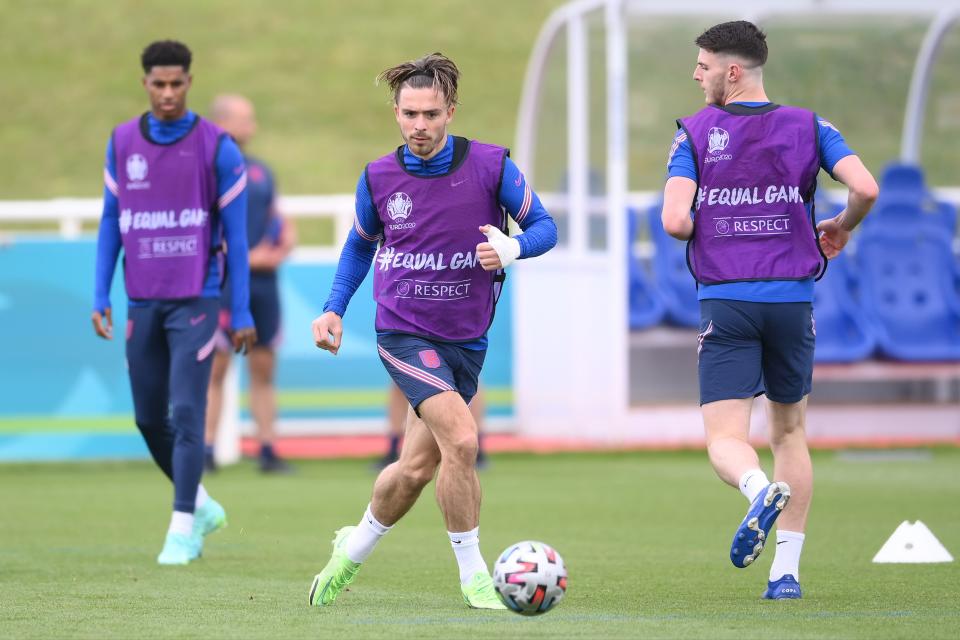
912	543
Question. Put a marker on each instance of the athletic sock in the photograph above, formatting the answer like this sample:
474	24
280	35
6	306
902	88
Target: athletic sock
394	450
362	540
266	451
752	483
466	547
202	497
787	559
181	522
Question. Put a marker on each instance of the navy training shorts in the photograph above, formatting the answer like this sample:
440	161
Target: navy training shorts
265	309
752	348
422	368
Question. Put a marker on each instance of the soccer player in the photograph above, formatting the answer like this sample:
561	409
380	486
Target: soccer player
271	238
429	204
746	169
174	186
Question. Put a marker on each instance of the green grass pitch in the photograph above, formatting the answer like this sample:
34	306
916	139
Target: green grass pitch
645	537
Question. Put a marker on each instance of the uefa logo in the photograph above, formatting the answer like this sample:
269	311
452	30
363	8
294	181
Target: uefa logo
723	227
399	206
136	167
403	288
717	139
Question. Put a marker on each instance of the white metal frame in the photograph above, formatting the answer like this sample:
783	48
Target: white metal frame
570	336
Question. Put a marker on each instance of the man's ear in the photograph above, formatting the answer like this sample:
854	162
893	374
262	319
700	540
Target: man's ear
734	72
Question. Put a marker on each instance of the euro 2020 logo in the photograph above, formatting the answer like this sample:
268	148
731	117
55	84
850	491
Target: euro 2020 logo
717	139
399	206
136	167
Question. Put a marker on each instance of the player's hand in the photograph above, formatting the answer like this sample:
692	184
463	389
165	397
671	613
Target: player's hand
103	324
833	237
243	340
260	259
499	251
327	332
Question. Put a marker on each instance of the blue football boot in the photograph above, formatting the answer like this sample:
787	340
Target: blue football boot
752	533
786	588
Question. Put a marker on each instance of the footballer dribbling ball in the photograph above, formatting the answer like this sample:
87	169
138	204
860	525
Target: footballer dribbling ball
530	577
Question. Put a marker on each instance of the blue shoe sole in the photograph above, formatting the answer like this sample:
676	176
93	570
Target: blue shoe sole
752	533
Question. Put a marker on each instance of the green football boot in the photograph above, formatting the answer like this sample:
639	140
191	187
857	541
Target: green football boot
339	572
207	519
178	549
480	594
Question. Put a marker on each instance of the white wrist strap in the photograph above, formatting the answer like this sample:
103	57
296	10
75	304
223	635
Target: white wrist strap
506	247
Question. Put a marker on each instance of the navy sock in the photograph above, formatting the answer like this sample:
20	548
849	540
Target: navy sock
266	451
394	446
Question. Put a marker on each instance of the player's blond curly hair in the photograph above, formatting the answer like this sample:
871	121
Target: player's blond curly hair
434	70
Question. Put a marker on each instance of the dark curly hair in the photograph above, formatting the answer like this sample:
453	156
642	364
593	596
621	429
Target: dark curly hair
166	53
434	70
740	38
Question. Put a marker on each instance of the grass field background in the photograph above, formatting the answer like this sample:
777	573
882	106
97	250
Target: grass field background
645	537
309	67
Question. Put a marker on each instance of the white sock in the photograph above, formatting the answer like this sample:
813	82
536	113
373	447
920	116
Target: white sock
181	522
202	497
787	558
752	483
466	547
364	538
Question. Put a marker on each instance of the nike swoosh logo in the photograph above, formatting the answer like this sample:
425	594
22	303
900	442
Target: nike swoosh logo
457	184
200	318
781	542
457	541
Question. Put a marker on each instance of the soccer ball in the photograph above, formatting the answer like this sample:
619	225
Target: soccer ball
530	578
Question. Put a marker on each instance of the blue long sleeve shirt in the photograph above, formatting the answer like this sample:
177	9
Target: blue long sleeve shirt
515	196
681	162
232	205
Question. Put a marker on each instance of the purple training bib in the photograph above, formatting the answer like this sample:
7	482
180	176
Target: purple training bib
427	278
167	194
756	169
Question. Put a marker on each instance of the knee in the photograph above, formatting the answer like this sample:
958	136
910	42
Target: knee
187	422
787	434
150	426
261	377
463	449
719	441
417	474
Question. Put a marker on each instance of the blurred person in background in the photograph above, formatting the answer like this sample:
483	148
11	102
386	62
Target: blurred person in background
270	239
746	169
428	205
175	189
397	405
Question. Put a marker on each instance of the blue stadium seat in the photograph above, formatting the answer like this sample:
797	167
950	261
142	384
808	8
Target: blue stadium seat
843	331
675	284
908	289
645	306
905	199
903	178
